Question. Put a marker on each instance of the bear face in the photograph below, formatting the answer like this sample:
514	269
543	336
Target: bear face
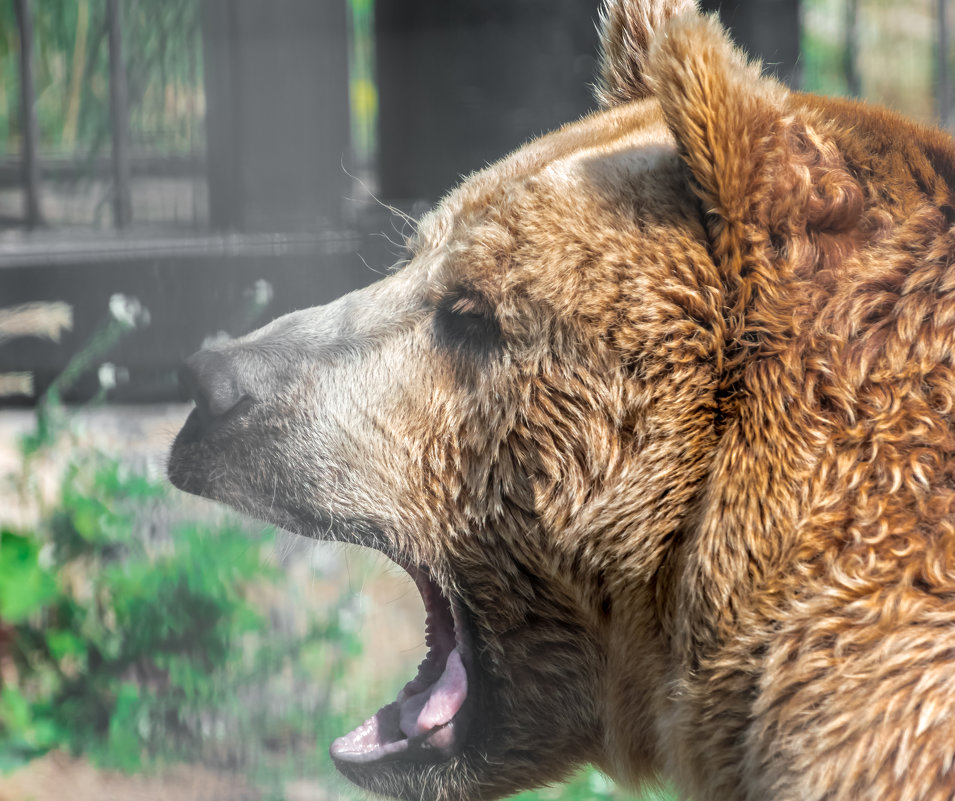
657	418
480	426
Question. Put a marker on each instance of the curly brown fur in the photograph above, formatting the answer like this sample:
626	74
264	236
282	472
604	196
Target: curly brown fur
664	402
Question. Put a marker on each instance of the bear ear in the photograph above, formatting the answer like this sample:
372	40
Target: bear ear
627	29
775	190
727	118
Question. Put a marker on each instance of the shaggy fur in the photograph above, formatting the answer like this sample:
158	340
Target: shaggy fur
664	401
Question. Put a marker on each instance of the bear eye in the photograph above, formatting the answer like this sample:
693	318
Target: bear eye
466	319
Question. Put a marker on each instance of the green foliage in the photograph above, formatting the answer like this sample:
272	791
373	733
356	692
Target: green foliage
128	638
164	72
823	65
137	634
71	73
362	85
592	785
24	585
134	632
117	641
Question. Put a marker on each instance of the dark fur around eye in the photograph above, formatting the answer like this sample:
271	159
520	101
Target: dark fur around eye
467	321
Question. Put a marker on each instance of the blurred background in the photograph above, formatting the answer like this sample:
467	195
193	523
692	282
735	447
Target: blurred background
176	171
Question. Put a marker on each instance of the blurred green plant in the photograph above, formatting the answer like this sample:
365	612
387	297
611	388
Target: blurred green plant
823	65
363	88
128	641
134	635
592	785
125	315
114	647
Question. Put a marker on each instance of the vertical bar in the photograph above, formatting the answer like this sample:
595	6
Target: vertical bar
475	57
193	73
119	116
944	87
223	79
363	93
31	169
850	54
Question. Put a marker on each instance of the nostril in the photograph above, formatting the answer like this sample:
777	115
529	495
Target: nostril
208	376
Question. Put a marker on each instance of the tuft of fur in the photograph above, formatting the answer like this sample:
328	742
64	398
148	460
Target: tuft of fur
627	29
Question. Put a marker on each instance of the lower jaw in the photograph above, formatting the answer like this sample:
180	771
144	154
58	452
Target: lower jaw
391	734
413	772
439	745
470	775
414	780
429	720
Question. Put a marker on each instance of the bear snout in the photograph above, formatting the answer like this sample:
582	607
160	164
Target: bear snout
210	379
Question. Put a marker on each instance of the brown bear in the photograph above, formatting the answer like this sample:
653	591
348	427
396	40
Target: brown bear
659	420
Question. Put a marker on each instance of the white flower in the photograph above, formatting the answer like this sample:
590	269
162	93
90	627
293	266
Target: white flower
262	293
107	375
214	339
128	311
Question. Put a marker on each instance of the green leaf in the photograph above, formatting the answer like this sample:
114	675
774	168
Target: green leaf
14	709
65	643
18	717
123	746
25	585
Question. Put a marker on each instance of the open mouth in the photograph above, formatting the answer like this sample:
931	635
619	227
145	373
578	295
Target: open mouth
429	719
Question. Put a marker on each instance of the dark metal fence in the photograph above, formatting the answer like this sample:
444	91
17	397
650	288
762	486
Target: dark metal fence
182	150
109	127
437	65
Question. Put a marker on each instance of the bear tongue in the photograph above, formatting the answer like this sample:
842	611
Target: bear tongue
435	706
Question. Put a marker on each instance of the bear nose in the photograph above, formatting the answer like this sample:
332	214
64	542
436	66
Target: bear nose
209	377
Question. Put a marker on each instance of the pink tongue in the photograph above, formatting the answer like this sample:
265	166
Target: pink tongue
439	703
